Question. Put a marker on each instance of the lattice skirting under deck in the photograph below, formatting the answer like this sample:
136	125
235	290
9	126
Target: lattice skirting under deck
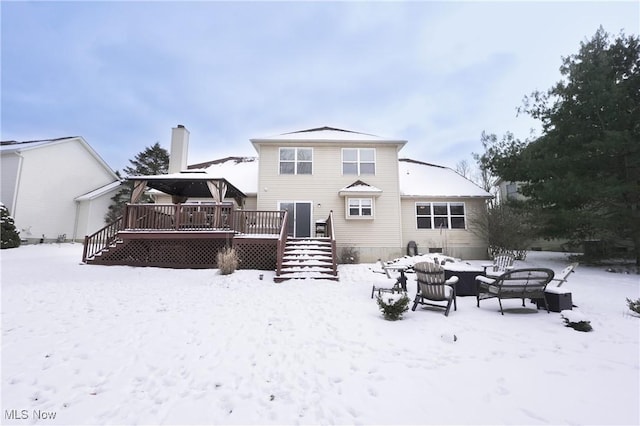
190	253
256	253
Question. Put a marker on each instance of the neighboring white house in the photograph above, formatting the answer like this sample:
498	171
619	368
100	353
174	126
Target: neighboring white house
380	202
56	189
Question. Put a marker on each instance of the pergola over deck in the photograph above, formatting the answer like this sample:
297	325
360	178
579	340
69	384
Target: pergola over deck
188	235
187	184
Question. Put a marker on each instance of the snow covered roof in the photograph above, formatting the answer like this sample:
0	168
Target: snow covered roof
418	179
327	134
240	171
190	183
360	187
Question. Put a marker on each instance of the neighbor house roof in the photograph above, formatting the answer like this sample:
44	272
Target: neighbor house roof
419	179
100	191
20	146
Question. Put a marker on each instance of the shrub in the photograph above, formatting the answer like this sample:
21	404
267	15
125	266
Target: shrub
9	235
349	255
227	261
634	305
393	305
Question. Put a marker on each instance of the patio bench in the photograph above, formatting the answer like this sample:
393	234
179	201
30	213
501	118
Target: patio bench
515	284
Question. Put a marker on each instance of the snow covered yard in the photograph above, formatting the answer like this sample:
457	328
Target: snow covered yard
120	345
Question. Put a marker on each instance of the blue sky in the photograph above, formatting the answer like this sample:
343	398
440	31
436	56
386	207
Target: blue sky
122	74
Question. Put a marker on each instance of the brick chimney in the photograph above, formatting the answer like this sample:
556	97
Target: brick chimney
179	149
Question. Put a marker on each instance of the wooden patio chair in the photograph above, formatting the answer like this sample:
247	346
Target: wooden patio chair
562	277
515	284
392	285
501	264
433	287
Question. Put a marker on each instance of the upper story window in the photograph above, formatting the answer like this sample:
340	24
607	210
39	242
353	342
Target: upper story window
296	161
359	161
360	207
440	215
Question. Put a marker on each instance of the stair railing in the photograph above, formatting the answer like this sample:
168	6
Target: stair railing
282	242
332	237
101	239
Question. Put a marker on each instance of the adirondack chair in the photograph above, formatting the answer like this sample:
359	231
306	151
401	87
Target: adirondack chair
562	277
558	298
433	287
515	284
501	263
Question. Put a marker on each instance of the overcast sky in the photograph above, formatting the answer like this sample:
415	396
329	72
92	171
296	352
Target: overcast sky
122	74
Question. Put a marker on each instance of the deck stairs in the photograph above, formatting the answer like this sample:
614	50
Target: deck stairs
308	258
103	255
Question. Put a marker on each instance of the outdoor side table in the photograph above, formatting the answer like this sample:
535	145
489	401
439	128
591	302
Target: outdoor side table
558	298
402	279
466	274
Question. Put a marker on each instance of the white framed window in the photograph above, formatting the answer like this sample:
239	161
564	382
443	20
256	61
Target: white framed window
440	216
296	161
358	161
360	208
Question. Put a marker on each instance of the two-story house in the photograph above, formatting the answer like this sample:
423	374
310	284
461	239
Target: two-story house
56	189
380	202
376	203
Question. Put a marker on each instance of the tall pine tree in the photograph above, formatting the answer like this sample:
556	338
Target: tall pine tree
154	160
582	176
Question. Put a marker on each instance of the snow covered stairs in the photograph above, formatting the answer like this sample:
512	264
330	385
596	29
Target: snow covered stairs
307	258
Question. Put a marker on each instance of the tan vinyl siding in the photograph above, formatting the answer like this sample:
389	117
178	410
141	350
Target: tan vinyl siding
463	243
322	187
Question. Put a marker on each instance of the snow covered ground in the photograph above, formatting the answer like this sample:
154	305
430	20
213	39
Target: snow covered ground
93	344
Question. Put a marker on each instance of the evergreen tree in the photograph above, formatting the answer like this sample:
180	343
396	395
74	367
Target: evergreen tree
154	160
582	176
10	236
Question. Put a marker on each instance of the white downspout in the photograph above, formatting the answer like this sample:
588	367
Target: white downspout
75	222
16	187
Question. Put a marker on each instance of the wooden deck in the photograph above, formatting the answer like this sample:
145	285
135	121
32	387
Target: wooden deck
191	235
187	236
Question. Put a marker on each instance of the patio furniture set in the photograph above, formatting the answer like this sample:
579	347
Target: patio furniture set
440	282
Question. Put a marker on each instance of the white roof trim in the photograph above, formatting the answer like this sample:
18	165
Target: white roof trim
360	188
99	192
29	145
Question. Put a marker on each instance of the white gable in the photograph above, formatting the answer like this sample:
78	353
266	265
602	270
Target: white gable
328	134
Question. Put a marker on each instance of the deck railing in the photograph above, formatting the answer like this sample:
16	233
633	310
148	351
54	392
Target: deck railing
102	238
178	217
201	217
